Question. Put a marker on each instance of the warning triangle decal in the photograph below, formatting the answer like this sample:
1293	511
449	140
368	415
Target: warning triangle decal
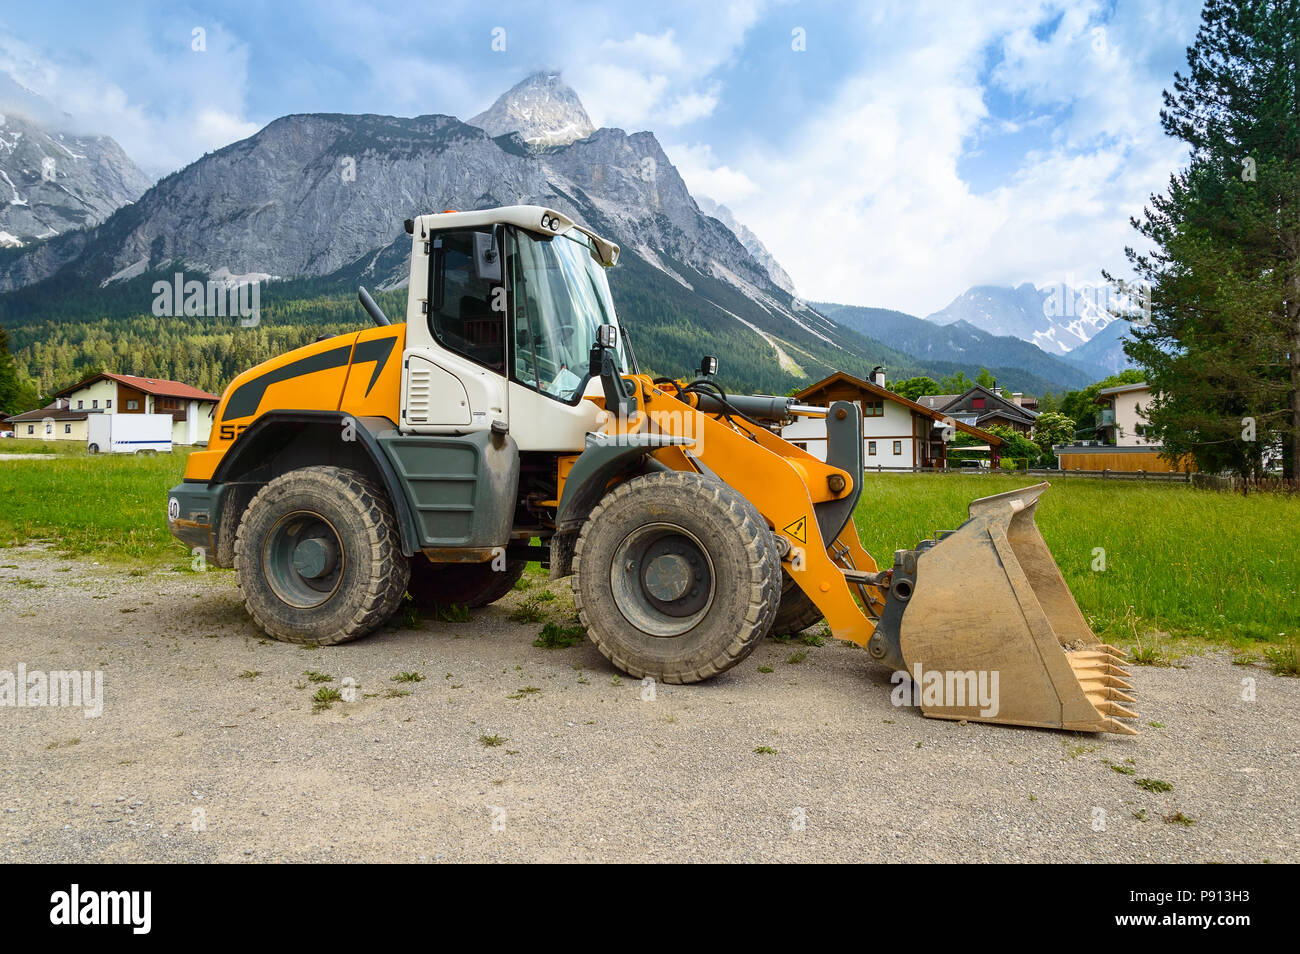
798	529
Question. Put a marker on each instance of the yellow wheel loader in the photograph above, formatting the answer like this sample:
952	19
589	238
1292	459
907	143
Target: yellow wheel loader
509	408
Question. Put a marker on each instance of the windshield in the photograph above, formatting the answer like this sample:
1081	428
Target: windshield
560	298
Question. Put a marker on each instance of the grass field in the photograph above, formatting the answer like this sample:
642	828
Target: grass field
1199	563
109	507
1193	563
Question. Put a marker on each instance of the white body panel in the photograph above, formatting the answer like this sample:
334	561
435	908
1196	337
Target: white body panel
129	433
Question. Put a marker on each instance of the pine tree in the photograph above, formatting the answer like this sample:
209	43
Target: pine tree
1222	343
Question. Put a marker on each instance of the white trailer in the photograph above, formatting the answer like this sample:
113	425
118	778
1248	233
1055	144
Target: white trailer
128	433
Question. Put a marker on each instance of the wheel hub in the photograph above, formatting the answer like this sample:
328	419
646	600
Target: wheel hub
302	559
662	579
668	577
315	557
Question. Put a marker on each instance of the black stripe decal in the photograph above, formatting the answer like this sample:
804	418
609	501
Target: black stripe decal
245	401
376	350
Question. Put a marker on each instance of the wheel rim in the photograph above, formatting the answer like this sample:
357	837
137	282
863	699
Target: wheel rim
303	559
662	579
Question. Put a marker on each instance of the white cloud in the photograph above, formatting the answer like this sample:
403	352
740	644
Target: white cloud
704	175
866	203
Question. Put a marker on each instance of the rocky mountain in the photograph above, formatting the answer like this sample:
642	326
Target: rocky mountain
541	109
322	197
1104	350
1017	363
748	239
54	182
1056	319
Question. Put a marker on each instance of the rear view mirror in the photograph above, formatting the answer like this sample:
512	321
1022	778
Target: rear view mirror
487	260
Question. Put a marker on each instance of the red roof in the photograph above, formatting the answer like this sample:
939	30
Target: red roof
149	386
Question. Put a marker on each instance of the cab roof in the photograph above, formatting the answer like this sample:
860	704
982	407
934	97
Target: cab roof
535	218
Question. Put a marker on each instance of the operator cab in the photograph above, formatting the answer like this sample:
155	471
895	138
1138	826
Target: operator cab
503	309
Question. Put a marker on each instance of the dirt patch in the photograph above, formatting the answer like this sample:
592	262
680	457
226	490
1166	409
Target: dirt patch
210	748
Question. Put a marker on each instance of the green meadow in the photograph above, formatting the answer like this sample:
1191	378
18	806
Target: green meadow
1194	563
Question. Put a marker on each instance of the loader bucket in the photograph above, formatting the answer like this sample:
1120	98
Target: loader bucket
985	626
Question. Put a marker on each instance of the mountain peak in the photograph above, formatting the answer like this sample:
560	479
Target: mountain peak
541	108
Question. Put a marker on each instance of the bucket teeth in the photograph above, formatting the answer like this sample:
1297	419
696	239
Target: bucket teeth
1091	683
1119	728
1111	650
1115	709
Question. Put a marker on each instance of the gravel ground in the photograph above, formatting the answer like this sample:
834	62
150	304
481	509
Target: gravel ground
587	769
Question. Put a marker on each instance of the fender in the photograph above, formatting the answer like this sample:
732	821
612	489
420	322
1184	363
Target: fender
603	459
259	442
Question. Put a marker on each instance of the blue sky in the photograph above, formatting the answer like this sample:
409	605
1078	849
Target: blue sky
910	150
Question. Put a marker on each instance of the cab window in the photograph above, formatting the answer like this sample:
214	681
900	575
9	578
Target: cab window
466	298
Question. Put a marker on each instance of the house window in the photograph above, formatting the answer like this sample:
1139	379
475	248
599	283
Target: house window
977	403
108	405
898	448
94	404
49	428
873	408
871	448
31	428
132	405
80	405
67	428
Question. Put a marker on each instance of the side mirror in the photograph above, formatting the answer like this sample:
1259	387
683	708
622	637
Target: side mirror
606	336
708	366
487	260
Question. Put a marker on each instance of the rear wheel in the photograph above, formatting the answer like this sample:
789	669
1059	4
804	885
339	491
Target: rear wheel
318	558
470	584
676	577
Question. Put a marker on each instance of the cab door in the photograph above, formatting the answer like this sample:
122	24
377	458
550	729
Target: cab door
453	369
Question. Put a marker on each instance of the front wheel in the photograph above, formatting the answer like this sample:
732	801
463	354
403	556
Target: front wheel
676	577
318	558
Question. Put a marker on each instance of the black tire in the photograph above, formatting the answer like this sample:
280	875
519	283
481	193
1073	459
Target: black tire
642	565
333	521
93	449
468	584
797	611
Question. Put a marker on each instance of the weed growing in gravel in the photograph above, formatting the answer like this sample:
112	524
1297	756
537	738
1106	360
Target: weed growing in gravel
1075	749
528	612
492	741
314	676
523	583
795	659
64	744
250	674
396	693
523	692
545	596
765	669
1156	725
408	614
555	636
411	677
1123	769
324	697
1178	818
1241	658
1140	814
765	750
1153	785
454	613
29	583
813	639
1285	660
